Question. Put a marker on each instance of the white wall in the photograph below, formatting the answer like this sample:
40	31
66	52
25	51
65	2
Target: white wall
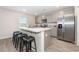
9	22
77	25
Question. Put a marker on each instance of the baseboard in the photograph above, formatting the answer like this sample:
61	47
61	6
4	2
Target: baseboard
53	36
8	37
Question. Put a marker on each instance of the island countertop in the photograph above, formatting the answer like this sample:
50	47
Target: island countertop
42	35
35	29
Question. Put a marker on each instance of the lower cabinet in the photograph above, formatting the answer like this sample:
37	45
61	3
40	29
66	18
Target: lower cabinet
47	39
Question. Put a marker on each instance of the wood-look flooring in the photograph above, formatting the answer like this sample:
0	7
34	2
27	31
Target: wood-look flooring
62	46
6	45
56	46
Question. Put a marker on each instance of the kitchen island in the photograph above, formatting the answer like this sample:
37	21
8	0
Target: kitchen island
42	36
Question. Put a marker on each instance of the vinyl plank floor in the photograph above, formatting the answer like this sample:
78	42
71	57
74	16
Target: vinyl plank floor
62	46
6	46
56	46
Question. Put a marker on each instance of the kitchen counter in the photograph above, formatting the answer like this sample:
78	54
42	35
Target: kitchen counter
35	29
42	36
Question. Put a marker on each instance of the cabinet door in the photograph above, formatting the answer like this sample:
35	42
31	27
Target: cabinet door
52	18
38	20
47	40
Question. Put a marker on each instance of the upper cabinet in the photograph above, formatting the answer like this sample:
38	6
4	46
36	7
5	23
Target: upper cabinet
38	20
52	18
41	19
49	18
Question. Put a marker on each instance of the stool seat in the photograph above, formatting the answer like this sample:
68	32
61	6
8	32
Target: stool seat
28	43
17	32
28	39
24	35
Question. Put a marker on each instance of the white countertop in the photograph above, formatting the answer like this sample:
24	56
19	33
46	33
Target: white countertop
35	29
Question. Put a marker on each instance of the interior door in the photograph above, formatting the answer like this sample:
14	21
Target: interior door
69	33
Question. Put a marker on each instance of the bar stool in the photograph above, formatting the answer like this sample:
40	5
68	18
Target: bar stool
15	38
28	44
21	42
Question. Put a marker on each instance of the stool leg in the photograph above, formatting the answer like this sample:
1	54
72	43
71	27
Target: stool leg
13	40
21	46
17	43
30	46
26	46
35	46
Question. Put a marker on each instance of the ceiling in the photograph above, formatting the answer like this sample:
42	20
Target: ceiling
33	10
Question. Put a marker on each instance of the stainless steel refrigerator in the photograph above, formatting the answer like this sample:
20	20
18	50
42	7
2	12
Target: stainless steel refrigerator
66	28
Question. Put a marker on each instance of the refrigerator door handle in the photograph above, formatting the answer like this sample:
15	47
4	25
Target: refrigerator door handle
63	26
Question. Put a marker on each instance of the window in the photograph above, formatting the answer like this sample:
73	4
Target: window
23	21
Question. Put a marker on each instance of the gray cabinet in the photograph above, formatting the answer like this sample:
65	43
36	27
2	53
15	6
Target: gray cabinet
52	18
47	39
38	20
